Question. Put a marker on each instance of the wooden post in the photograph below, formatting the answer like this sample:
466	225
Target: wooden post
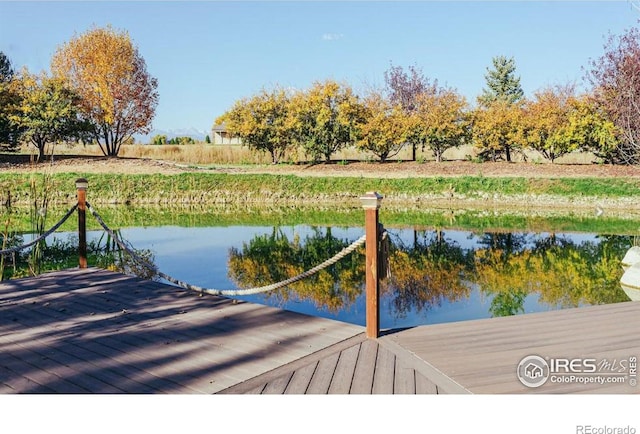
371	204
81	187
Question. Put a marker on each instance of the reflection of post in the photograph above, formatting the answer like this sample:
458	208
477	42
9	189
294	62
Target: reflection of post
371	204
81	187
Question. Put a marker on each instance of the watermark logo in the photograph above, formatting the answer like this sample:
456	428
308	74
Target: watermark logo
591	429
534	371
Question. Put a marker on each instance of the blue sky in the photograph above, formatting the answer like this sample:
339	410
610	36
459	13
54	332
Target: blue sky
208	54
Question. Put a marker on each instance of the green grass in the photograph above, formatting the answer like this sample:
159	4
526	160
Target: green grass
210	188
476	220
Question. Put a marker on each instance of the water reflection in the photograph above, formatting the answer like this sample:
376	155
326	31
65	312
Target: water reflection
61	252
430	269
436	275
273	257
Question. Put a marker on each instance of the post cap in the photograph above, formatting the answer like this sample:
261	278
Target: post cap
371	200
82	184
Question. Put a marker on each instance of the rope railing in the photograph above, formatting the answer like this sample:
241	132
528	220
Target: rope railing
226	292
41	237
374	240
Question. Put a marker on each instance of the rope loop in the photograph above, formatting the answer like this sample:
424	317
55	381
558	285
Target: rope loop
228	292
41	237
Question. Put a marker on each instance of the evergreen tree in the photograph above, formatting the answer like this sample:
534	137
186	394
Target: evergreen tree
502	83
6	70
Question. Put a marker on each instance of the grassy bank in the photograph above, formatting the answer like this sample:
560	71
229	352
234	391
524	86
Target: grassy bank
475	220
215	188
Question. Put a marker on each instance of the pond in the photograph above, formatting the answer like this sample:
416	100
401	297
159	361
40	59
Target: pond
478	264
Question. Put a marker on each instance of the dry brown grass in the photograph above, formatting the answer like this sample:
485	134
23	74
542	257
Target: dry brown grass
207	154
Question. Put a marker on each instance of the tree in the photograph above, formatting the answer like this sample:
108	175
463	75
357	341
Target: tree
6	70
326	118
263	122
118	95
159	139
616	80
384	129
502	83
498	130
9	133
439	121
178	140
47	111
403	87
592	130
207	139
548	125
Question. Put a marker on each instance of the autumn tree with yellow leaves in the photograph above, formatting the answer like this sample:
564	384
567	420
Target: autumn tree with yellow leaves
547	117
384	128
593	130
440	121
46	111
263	122
327	117
498	130
117	94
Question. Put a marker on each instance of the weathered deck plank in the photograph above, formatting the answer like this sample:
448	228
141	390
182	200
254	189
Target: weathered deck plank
425	386
94	331
383	377
405	379
323	374
103	332
365	367
483	355
300	379
341	381
277	386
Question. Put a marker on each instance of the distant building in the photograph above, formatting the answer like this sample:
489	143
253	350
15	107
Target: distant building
220	136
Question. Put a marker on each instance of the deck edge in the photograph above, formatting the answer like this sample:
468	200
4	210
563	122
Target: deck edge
433	374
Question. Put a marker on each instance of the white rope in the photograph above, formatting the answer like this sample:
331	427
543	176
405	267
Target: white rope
41	237
228	292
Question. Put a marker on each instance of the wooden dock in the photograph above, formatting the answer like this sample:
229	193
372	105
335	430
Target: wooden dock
94	331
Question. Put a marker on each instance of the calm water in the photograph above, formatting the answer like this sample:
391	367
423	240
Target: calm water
436	276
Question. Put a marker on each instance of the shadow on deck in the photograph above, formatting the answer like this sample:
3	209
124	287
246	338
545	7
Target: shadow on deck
95	331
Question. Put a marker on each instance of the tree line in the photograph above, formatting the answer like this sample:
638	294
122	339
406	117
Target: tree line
411	110
99	91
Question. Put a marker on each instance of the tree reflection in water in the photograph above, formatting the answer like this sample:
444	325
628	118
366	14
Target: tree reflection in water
425	273
560	271
61	253
431	269
272	258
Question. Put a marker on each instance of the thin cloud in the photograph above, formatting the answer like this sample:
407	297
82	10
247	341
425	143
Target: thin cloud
332	36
